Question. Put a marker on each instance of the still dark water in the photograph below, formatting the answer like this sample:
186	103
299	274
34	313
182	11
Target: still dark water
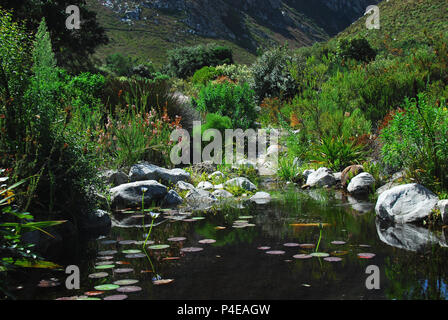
412	264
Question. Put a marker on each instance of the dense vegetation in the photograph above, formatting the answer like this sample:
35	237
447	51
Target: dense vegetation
351	100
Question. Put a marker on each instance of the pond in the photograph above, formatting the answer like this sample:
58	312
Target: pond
257	251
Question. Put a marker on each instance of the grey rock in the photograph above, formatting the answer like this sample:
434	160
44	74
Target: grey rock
200	199
115	177
216	174
320	178
406	203
94	220
443	207
306	173
241	182
222	194
261	198
337	176
361	184
172	199
386	187
146	171
205	185
182	185
130	195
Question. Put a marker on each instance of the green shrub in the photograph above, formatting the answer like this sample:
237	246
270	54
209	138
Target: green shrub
417	139
271	75
337	154
185	61
204	75
227	99
358	49
236	72
119	65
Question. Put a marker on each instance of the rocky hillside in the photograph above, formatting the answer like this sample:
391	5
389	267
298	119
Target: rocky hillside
149	27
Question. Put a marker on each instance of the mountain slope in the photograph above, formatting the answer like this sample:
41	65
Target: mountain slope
148	28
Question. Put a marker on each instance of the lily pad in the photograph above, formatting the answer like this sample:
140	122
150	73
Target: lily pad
103	263
302	256
207	241
198	218
126	282
104	267
191	249
123	270
319	254
132	251
338	242
107	242
291	244
366	255
122	262
48	283
127	242
98	275
162	281
105	258
333	259
339	253
245	217
264	248
220	228
107	287
159	247
241	222
107	252
275	252
135	256
93	293
88	298
116	297
129	289
177	239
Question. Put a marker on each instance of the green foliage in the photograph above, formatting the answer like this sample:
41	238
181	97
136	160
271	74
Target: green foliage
288	170
227	99
236	72
204	75
185	61
218	122
416	139
337	154
119	65
358	49
271	75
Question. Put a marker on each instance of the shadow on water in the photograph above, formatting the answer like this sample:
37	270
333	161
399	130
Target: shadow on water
412	260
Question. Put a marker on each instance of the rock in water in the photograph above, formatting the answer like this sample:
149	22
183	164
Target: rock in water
130	195
241	182
361	184
443	207
172	199
200	199
320	178
406	203
261	198
146	171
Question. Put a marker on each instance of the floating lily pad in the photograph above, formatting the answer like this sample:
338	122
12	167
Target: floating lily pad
122	262
275	252
126	282
207	241
338	242
129	289
107	252
366	255
88	298
198	218
123	270
319	254
365	245
191	249
264	248
239	226
177	239
98	275
241	222
250	225
159	247
104	267
135	256
291	244
105	258
245	217
307	245
107	287
333	259
220	228
116	297
302	256
103	263
162	281
190	220
93	293
339	253
132	251
170	258
127	242
68	298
